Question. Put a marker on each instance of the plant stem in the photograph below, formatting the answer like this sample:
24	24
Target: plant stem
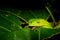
39	33
5	28
50	14
14	35
17	16
33	14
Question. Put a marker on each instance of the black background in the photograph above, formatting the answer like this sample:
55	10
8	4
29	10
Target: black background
54	5
29	4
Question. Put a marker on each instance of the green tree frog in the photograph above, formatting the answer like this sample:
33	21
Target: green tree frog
39	23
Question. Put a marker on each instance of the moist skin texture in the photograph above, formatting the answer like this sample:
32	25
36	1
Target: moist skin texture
39	23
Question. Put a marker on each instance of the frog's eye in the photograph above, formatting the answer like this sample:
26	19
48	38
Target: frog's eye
38	22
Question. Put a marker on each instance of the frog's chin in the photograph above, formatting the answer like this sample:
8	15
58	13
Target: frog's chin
41	26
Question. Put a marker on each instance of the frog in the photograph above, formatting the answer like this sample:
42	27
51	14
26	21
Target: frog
40	23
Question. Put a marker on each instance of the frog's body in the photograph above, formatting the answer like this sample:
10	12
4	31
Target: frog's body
39	23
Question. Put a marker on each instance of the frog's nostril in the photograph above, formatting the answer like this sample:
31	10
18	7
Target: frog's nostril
31	22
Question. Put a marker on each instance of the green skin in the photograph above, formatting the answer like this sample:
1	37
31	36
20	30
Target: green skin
39	23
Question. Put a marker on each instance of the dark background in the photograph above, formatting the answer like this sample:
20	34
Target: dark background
29	4
54	5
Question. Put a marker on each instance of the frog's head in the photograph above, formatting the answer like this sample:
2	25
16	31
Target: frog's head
39	22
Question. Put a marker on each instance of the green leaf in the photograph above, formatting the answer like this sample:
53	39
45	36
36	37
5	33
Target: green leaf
58	26
11	29
48	33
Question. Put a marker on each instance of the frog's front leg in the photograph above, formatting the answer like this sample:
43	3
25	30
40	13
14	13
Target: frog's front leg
32	27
